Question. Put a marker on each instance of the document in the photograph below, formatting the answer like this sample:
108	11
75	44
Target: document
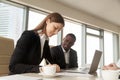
64	74
74	74
19	77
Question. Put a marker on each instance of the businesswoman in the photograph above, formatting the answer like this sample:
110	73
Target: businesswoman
30	48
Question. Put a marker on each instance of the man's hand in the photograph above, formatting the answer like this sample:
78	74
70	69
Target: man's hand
111	66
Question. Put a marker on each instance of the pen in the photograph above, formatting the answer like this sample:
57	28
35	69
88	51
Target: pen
48	61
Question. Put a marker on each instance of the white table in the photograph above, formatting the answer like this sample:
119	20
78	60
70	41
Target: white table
59	76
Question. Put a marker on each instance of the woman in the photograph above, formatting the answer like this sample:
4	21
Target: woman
29	49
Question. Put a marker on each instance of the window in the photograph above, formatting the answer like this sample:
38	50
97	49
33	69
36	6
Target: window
11	21
34	19
92	31
92	43
106	42
75	28
108	47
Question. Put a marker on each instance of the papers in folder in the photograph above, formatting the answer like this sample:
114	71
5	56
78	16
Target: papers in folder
19	77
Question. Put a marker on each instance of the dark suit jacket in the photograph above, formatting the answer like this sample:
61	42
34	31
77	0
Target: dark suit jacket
59	58
27	54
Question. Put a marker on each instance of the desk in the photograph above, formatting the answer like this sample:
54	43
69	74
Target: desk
59	77
64	77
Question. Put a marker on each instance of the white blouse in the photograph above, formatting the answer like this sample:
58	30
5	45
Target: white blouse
43	37
66	54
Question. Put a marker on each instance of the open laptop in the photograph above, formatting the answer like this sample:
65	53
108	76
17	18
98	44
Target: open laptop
93	67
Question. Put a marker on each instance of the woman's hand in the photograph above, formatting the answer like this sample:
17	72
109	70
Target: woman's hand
57	67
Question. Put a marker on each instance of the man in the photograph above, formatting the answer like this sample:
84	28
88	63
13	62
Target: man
63	54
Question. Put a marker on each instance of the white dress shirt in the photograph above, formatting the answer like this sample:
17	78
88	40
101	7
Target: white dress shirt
66	54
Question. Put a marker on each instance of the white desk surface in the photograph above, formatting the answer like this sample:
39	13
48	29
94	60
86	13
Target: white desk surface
59	76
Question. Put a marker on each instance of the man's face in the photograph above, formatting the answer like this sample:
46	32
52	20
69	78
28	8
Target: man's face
68	42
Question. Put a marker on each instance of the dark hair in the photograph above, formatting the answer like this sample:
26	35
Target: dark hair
72	35
54	17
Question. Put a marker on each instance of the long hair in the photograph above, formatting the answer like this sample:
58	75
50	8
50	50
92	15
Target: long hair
54	17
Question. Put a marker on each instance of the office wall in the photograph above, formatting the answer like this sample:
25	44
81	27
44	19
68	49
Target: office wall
53	6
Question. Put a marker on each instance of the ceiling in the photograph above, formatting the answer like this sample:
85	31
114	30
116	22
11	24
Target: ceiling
105	9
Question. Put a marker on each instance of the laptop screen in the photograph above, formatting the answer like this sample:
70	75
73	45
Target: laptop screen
95	62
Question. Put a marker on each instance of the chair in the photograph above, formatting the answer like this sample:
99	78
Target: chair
6	49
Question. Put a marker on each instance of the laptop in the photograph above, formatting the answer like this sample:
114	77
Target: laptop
93	67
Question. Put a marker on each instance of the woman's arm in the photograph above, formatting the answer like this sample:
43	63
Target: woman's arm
20	54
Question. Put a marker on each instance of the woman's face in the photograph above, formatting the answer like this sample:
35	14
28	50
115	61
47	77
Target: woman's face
52	28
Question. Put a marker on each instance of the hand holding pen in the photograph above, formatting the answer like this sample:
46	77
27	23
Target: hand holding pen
57	66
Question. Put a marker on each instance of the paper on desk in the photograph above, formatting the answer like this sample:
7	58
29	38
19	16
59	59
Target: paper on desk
74	74
19	77
71	74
